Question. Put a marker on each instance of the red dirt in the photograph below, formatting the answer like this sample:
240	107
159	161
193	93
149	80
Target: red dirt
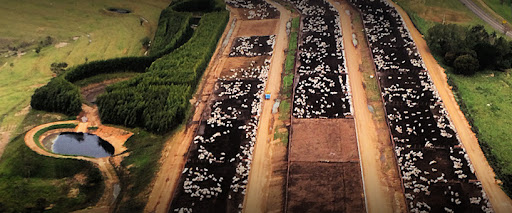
329	140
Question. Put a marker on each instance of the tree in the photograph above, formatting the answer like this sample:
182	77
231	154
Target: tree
477	35
443	38
466	64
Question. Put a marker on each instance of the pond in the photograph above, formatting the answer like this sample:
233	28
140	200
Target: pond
85	144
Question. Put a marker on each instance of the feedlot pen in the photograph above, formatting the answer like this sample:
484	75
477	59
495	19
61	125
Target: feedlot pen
324	171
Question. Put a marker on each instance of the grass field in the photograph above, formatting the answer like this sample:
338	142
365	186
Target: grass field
425	13
485	97
503	10
28	22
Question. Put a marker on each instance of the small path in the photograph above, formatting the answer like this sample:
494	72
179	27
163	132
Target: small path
501	203
111	180
261	170
489	19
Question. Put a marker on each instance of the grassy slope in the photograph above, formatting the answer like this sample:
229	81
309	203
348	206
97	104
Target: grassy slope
493	121
26	176
503	10
112	35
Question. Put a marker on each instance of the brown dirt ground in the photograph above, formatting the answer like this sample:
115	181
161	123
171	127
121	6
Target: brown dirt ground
382	180
329	140
241	62
91	91
499	200
277	182
257	27
325	187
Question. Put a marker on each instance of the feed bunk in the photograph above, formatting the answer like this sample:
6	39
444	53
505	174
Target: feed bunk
255	9
436	171
322	89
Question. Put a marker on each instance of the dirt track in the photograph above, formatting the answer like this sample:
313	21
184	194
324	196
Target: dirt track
380	196
259	177
499	200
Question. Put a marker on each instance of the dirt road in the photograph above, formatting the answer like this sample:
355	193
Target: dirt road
499	200
379	198
173	159
259	177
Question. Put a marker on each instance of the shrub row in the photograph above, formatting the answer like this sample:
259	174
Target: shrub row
173	30
124	64
158	99
58	95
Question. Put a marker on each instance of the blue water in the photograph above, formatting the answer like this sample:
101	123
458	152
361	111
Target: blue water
72	143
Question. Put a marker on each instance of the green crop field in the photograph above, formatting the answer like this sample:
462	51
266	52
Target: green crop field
90	31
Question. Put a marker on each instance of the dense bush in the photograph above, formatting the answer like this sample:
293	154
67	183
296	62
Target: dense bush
156	107
466	64
157	100
471	49
125	64
59	96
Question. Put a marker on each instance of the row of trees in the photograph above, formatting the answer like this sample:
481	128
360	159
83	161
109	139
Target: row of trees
469	49
173	30
158	99
198	5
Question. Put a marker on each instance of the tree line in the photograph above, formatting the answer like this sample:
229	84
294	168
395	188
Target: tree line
470	49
